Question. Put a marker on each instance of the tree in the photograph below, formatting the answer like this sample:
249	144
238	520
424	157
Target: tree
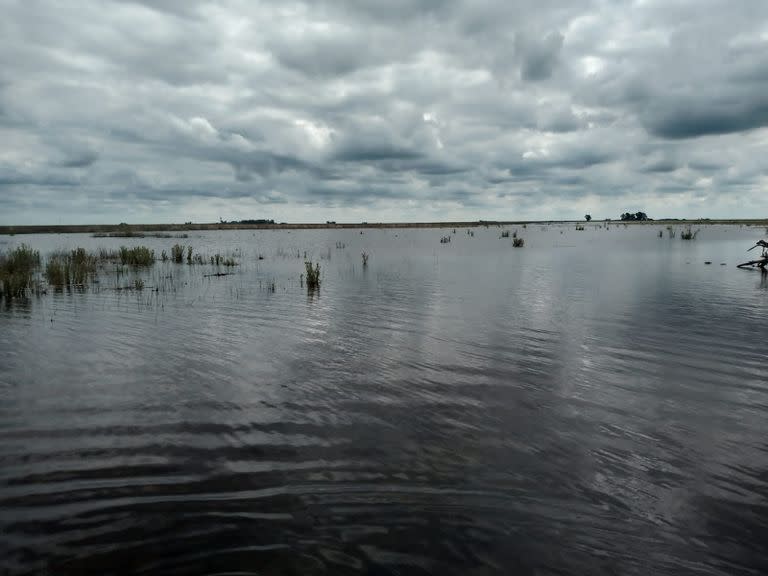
637	216
588	217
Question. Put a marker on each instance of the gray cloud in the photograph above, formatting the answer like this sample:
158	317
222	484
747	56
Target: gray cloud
680	119
539	56
326	110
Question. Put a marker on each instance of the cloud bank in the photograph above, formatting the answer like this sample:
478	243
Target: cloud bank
176	110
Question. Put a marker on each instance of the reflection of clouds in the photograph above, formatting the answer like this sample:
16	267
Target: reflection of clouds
605	396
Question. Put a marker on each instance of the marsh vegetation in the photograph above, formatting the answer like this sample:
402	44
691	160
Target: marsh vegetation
688	234
312	277
17	272
137	256
73	268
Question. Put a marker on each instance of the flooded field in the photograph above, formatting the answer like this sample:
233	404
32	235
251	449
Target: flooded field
594	402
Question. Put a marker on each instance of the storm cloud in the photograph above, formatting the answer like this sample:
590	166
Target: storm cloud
317	110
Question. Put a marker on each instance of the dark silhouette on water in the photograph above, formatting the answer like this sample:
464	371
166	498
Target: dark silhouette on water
762	261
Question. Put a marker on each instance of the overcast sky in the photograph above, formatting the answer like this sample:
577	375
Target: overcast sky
381	110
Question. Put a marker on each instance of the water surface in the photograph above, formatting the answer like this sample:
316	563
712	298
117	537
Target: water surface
593	403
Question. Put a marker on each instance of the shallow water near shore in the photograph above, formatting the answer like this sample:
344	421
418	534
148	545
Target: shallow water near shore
595	402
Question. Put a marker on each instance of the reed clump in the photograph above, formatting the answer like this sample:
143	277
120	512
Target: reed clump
73	268
365	258
137	256
313	275
106	255
17	271
177	253
518	242
688	234
226	261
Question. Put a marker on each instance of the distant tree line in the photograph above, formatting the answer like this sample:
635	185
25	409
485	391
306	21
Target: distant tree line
248	221
637	216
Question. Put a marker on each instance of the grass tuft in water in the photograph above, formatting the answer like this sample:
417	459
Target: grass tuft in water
137	256
518	242
688	234
177	253
73	268
17	271
313	275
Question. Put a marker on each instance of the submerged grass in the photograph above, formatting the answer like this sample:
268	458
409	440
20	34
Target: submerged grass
313	275
131	234
219	260
137	256
17	271
73	268
177	253
688	234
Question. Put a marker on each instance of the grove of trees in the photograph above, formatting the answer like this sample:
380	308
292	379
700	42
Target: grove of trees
634	217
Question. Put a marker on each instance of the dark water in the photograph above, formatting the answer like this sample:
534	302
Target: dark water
594	403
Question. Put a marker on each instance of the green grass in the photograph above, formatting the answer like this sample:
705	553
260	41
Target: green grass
73	268
17	271
105	254
313	275
137	256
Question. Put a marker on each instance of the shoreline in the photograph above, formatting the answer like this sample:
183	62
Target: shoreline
137	228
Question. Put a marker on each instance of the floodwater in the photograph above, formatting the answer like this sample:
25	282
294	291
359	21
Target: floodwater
593	403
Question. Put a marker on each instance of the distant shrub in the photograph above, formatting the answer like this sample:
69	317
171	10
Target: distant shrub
518	242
